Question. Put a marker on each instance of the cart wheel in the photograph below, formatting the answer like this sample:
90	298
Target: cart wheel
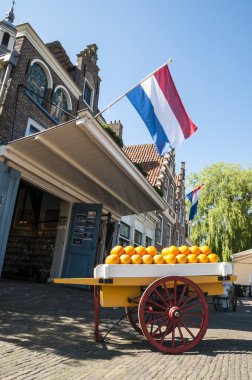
132	315
173	314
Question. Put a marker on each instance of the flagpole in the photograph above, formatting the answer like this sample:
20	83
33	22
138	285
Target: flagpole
126	93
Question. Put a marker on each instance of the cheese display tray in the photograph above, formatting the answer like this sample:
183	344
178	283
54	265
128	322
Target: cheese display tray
162	270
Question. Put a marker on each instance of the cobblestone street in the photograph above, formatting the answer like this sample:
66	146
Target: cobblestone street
46	332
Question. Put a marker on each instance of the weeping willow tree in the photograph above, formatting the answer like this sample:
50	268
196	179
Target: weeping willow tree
224	217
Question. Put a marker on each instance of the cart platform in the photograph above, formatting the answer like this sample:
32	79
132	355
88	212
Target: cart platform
165	302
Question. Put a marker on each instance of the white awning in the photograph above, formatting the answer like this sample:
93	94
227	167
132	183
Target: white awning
79	162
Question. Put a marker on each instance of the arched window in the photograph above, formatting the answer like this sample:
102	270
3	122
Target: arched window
59	106
6	38
37	83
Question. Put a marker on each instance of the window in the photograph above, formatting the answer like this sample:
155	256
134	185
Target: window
166	186
182	217
32	127
137	238
59	106
172	196
179	212
124	238
5	40
37	83
148	241
88	94
177	238
159	230
169	234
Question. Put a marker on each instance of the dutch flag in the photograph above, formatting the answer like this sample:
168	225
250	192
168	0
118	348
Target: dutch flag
193	197
159	105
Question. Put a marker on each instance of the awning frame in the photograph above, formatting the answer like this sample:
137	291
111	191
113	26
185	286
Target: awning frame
106	147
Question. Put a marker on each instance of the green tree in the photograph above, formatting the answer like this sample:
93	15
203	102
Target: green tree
224	217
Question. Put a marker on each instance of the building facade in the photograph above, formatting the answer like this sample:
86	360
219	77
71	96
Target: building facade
60	198
168	227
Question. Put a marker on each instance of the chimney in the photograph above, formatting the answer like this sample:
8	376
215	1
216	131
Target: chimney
117	127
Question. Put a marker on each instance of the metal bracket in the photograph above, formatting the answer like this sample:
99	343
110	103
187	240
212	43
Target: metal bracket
224	278
105	280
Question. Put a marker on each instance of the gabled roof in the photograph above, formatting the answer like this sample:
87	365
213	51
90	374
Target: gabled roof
148	157
60	54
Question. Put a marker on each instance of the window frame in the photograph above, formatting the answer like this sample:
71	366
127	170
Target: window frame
91	105
35	125
123	238
161	220
172	195
141	237
150	241
6	36
166	188
169	228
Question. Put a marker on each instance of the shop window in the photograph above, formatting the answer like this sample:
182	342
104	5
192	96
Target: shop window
59	106
124	238
88	95
159	230
51	219
148	241
169	234
37	83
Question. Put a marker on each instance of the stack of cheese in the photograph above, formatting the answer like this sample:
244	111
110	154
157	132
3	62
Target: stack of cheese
169	255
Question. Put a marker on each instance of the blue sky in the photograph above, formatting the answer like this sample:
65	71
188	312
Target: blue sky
210	43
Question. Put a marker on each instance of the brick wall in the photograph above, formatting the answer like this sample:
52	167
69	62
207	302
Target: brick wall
18	106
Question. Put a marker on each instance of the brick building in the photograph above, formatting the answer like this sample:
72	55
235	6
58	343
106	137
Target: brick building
159	228
62	177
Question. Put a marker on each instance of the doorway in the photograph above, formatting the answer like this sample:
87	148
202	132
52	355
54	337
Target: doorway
32	236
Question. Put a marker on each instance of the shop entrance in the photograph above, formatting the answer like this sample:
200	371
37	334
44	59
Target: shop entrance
32	235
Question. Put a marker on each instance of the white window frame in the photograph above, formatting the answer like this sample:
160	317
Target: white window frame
141	234
46	70
67	95
34	124
90	106
162	227
122	237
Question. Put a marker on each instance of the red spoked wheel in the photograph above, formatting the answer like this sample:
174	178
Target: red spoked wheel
173	314
132	315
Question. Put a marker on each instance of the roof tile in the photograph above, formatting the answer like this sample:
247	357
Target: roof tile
148	157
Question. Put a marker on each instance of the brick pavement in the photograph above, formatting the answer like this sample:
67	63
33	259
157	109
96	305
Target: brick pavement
46	332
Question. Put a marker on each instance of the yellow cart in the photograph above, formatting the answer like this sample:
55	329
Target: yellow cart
166	303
